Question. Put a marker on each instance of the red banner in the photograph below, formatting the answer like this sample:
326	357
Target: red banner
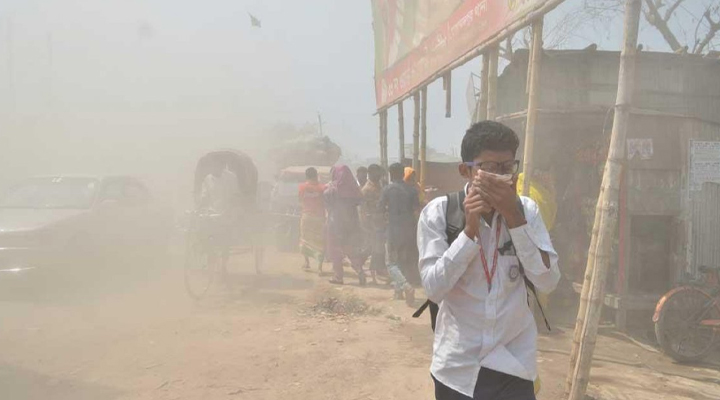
414	39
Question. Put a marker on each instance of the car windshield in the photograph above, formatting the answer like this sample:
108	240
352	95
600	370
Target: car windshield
73	193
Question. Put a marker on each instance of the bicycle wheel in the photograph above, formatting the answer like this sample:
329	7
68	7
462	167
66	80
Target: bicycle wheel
679	328
201	268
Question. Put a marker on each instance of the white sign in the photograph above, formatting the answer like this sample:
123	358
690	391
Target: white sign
704	163
640	148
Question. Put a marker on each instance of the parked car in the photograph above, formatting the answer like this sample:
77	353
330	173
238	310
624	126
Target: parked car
72	221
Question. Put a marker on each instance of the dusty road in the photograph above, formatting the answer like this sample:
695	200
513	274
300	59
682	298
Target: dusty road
138	336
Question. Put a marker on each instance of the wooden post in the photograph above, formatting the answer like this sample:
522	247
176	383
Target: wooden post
416	133
423	139
380	134
383	140
492	82
483	102
447	85
607	207
533	97
401	133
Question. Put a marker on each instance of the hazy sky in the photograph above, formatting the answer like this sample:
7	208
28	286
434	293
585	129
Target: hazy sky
132	75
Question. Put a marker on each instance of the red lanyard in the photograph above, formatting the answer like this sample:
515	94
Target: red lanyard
489	274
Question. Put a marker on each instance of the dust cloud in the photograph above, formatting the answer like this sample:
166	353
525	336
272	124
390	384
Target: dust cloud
125	308
146	89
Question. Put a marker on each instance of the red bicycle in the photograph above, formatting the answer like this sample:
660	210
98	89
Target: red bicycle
687	318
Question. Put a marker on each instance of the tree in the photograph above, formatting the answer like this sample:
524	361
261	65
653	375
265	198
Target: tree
687	26
659	13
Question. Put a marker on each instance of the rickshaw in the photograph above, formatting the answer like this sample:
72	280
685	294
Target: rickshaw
213	237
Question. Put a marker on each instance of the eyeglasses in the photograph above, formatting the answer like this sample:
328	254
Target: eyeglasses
508	167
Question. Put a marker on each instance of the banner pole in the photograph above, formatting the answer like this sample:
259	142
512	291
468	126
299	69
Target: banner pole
492	83
533	96
401	133
423	140
416	133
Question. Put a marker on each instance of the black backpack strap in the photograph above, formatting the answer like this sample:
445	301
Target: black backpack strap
421	310
528	284
454	224
531	288
454	216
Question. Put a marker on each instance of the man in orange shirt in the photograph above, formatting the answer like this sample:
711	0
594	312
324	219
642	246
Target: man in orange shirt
312	220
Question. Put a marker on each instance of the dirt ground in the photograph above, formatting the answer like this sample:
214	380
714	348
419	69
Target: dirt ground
139	336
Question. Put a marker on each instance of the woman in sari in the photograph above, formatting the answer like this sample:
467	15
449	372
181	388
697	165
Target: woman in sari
344	236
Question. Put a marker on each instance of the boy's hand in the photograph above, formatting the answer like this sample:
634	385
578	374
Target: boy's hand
475	206
500	195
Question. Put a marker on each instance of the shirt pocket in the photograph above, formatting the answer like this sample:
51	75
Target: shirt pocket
508	272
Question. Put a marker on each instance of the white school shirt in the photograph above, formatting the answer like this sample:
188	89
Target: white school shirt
476	328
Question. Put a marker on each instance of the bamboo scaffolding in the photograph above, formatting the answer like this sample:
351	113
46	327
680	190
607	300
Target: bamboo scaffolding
607	207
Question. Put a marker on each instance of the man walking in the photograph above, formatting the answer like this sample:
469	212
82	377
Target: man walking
485	334
373	221
399	201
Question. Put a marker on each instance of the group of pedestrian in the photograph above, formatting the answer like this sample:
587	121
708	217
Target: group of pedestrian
481	251
360	218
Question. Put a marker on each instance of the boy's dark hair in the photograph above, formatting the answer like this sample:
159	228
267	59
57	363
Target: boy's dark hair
375	172
361	170
488	135
311	173
397	171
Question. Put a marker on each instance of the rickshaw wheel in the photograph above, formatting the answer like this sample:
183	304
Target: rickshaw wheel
201	268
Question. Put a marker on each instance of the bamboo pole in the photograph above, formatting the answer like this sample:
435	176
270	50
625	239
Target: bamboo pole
401	133
492	82
584	298
447	83
423	139
483	103
416	132
380	134
533	97
383	140
607	205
